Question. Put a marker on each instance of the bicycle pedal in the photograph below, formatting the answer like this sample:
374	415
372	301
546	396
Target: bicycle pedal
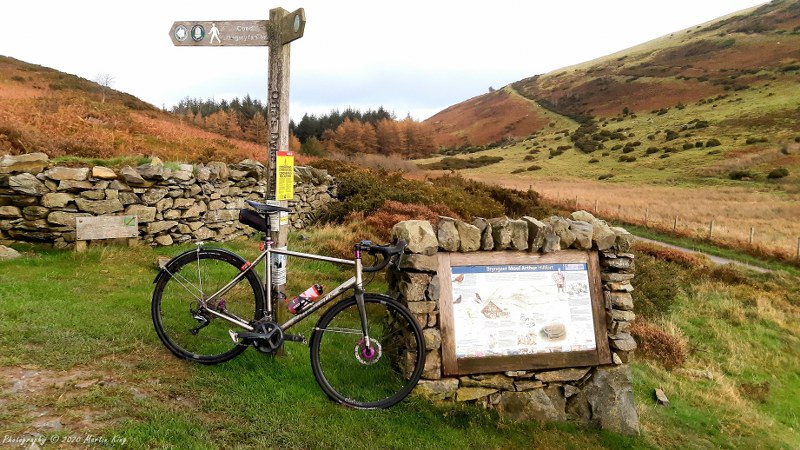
295	338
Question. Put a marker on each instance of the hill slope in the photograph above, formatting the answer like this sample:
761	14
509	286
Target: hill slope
754	50
48	111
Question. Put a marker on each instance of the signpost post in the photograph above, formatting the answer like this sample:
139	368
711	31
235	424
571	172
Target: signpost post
276	33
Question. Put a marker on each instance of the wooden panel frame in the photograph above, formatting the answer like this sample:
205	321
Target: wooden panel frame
453	365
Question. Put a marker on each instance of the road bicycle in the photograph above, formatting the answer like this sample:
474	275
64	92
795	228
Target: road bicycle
209	305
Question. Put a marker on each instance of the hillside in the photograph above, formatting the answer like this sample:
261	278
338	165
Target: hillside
718	62
44	110
696	127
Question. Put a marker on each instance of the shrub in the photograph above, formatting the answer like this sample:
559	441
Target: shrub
755	140
605	176
688	146
713	142
627	158
529	158
555	152
657	284
384	218
594	160
657	345
740	175
455	163
616	147
605	153
534	167
515	171
670	135
664	155
651	150
699	144
628	149
778	173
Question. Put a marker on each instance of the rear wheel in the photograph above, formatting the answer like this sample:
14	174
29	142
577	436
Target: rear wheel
377	375
180	308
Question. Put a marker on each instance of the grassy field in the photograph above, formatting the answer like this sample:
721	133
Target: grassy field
79	357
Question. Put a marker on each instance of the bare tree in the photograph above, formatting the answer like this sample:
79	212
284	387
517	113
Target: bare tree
105	81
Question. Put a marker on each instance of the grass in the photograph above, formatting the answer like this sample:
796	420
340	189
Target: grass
78	319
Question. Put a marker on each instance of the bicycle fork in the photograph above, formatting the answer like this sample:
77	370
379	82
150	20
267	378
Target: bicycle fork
359	293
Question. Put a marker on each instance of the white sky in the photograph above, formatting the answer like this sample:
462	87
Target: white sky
409	56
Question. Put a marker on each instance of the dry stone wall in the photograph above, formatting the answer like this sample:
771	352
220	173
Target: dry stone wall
600	396
173	202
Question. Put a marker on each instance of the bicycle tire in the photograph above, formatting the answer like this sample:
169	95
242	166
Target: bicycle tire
354	378
198	274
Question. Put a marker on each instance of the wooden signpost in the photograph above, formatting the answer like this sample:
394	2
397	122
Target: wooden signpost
276	33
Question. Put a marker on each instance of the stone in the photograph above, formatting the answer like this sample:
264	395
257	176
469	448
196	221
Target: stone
93	195
582	216
164	240
536	232
613	276
216	204
413	286
434	288
552	242
195	210
623	342
127	198
219	170
422	307
696	373
164	203
625	286
606	401
172	214
222	215
183	203
501	233
620	300
98	207
154	170
152	196
7	253
25	183
519	235
469	237
625	316
254	168
437	390
203	234
159	226
447	234
103	173
182	175
561	229
67	173
144	214
419	263
418	234
618	263
75	186
583	234
433	338
603	238
64	218
661	397
494	381
31	163
131	176
562	375
10	212
465	394
433	366
203	174
544	405
624	240
527	385
34	212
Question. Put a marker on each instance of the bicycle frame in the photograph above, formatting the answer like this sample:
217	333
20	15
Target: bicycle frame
355	281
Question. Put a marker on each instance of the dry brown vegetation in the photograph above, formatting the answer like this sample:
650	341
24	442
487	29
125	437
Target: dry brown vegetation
59	114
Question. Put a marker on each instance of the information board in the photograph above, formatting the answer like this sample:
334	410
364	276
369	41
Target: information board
513	311
284	177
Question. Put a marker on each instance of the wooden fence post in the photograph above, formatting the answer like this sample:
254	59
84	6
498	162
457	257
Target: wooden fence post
711	230
595	206
798	248
646	215
675	224
752	232
576	203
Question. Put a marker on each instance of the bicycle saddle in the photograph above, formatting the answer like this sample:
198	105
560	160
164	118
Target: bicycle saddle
263	208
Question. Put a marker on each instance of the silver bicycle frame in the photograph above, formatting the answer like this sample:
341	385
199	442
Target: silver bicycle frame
355	281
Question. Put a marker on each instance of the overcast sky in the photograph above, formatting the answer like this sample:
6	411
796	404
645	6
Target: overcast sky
409	56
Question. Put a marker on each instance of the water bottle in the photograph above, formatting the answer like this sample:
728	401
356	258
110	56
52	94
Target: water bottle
299	303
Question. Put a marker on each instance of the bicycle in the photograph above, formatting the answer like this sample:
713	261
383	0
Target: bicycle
209	305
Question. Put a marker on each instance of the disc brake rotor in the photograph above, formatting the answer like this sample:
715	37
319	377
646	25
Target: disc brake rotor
368	355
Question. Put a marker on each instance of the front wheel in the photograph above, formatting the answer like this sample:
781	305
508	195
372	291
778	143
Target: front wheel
377	375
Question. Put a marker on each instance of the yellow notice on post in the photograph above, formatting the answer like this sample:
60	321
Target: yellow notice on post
284	177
